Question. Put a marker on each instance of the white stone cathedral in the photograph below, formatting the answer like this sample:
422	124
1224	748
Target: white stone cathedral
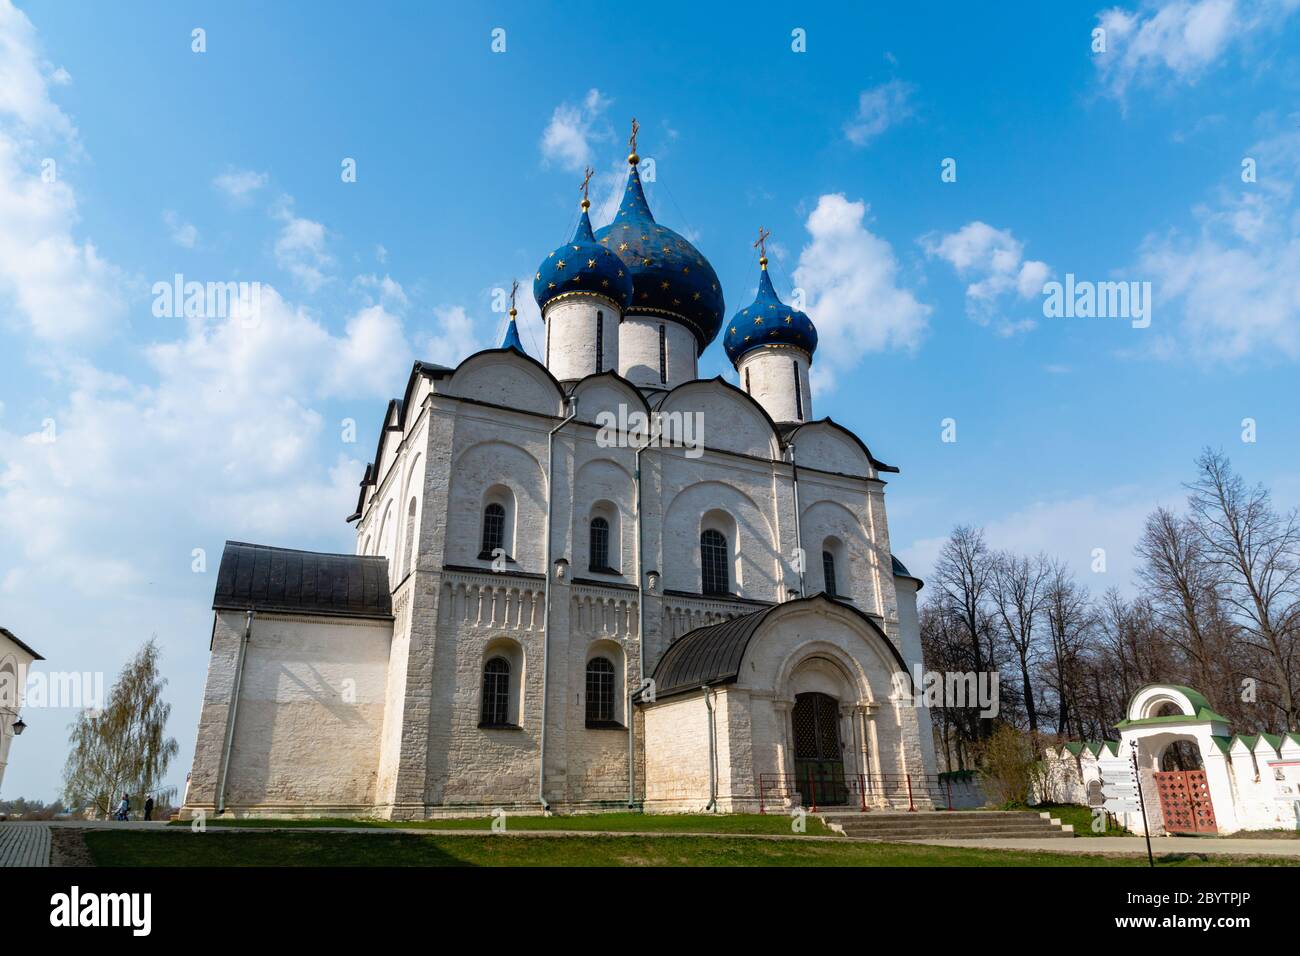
546	613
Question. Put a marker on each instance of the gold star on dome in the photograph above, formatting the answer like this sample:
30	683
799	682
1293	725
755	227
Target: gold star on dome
677	301
622	247
686	270
620	273
733	330
550	255
538	276
591	263
789	319
576	248
604	282
758	320
645	262
559	264
663	285
696	296
550	285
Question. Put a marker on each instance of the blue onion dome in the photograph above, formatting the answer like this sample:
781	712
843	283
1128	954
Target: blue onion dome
583	267
769	321
669	276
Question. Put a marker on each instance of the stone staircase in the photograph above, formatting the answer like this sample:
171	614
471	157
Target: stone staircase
925	825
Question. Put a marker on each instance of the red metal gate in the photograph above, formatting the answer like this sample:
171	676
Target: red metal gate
1185	801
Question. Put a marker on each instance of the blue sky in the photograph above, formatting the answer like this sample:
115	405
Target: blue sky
172	434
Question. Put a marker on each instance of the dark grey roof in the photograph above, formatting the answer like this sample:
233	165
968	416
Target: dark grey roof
14	637
713	654
900	571
707	655
261	578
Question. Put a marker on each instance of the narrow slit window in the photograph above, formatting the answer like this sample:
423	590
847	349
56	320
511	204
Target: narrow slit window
600	341
663	356
798	392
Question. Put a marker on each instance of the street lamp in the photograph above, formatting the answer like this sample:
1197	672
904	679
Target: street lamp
19	727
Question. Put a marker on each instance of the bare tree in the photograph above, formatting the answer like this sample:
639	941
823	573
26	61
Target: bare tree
961	577
1181	584
1069	618
1017	593
123	748
1257	550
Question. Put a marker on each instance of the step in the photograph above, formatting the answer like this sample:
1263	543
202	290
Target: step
904	836
866	820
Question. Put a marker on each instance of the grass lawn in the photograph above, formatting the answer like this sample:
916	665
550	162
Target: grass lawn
307	848
619	822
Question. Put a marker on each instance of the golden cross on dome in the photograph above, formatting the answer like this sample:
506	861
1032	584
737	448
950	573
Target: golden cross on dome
761	245
586	181
514	287
631	142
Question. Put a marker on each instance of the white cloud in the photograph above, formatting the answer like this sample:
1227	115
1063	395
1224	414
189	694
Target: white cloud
240	184
566	141
879	108
849	277
234	413
1177	41
300	247
455	336
994	262
388	289
59	286
184	234
1237	277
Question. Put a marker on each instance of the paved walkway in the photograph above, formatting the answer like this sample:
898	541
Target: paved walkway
1137	846
24	844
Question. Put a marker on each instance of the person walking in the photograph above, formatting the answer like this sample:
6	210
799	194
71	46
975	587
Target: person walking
123	808
148	807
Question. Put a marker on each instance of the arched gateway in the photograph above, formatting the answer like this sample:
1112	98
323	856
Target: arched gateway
787	704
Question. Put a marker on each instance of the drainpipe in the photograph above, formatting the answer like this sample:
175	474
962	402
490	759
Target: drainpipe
798	537
234	712
546	599
640	630
713	749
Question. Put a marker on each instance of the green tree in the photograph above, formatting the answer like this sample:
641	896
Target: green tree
124	747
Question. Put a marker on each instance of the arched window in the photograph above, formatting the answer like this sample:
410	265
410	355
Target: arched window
494	529
599	545
408	549
600	692
714	556
496	693
828	572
